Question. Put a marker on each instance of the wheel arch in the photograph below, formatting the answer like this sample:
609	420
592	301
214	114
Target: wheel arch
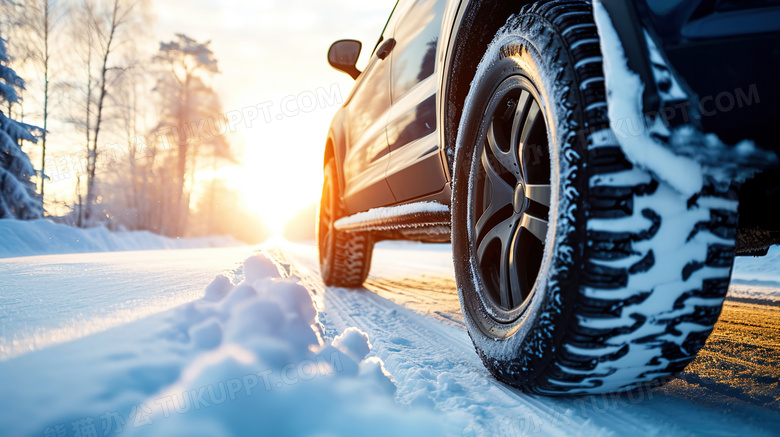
476	24
335	148
329	152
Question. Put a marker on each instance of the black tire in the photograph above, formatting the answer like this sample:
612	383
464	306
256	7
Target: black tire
629	279
345	257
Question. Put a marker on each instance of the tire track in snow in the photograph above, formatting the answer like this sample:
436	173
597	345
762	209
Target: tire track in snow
433	363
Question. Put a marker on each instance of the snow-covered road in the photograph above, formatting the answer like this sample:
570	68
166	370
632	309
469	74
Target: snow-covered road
413	318
46	300
409	310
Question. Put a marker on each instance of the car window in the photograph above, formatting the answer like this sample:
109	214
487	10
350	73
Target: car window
416	35
375	77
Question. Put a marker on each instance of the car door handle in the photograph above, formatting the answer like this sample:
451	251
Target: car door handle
385	49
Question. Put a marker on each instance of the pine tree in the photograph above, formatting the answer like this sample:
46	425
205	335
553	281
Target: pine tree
17	192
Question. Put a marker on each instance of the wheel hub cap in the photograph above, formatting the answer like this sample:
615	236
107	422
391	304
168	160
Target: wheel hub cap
519	198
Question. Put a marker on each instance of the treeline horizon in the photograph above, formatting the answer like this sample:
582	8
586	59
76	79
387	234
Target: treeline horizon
98	91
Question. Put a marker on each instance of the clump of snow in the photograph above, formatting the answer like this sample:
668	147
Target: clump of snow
44	237
354	343
624	94
392	212
257	267
246	359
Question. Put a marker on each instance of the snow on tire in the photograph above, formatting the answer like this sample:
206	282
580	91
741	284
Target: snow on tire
631	275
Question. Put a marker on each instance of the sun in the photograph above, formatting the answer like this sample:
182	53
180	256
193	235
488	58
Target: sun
274	196
279	171
280	175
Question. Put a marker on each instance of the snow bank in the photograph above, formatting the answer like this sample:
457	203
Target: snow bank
757	277
766	268
44	237
755	291
246	359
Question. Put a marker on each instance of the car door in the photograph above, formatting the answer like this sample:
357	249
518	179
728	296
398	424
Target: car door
367	153
416	167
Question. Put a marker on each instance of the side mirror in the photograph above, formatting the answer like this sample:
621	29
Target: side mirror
343	56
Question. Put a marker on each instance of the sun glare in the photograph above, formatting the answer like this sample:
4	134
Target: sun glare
275	207
280	176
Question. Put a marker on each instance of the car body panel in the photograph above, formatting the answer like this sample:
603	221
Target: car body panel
364	152
414	145
411	131
367	153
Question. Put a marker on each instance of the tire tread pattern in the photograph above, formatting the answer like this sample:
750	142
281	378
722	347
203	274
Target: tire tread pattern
604	340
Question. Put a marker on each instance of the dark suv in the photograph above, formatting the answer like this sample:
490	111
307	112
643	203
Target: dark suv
596	166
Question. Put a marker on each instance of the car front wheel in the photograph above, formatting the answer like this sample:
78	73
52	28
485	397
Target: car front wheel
578	272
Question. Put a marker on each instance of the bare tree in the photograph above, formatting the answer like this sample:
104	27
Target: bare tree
42	18
106	20
133	172
81	91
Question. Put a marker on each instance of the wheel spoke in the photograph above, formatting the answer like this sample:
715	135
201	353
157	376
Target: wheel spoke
501	194
524	104
539	193
509	159
512	266
536	226
530	121
528	118
505	233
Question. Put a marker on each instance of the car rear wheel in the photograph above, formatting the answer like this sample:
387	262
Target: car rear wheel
578	272
345	257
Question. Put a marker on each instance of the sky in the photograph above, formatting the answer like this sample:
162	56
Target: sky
274	54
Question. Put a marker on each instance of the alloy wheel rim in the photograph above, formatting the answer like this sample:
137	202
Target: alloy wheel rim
512	197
